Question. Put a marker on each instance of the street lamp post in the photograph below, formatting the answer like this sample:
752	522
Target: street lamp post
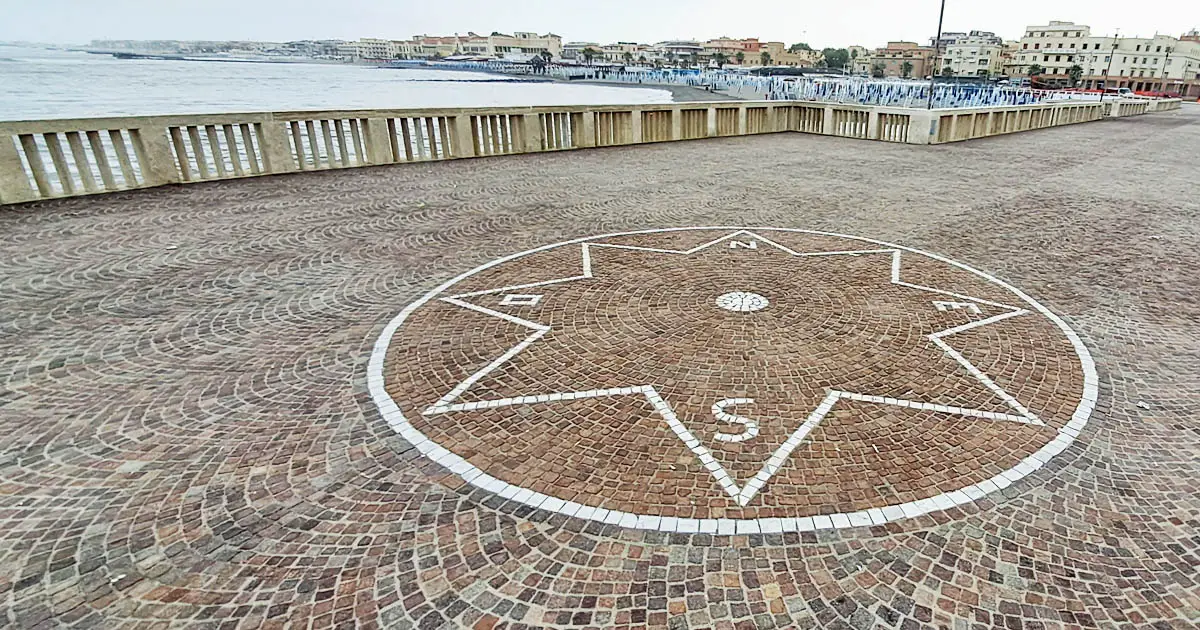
1111	55
937	45
1166	62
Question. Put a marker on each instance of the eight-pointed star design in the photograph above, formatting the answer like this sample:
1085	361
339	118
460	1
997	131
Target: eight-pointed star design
852	329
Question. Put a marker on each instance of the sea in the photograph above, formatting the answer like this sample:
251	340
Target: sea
41	83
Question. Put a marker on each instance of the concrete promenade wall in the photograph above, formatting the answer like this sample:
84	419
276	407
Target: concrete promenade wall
44	159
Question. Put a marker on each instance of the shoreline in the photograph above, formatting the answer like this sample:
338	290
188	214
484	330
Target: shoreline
679	93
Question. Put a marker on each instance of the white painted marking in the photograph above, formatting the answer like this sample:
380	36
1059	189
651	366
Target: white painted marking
971	307
520	299
743	244
742	302
390	411
751	430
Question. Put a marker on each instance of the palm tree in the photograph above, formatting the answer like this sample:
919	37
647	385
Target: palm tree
589	54
642	60
670	57
695	60
1035	70
906	69
740	56
877	70
1076	73
720	59
766	58
947	71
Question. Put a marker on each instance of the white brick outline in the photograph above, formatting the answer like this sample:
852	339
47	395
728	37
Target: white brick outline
476	477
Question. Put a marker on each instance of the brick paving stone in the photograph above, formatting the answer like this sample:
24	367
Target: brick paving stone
188	435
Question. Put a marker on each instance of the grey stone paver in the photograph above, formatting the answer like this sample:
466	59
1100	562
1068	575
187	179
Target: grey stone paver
186	436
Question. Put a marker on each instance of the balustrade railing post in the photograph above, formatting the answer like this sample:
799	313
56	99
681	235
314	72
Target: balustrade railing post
772	119
379	146
635	126
531	130
921	127
14	183
873	125
742	127
587	130
676	124
464	138
711	131
157	161
276	150
827	121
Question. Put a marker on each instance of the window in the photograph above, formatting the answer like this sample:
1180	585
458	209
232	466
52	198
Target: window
1045	57
1124	59
1143	59
1025	46
1138	49
1058	57
1037	46
1154	62
1107	58
1159	49
1122	71
1072	45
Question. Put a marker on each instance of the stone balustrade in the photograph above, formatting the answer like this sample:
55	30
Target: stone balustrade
43	159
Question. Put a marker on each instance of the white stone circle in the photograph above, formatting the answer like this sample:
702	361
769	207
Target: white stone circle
742	302
472	475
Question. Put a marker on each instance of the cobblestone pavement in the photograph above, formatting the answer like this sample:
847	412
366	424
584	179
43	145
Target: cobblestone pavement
188	436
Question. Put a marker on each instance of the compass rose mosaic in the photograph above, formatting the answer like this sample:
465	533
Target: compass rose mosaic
731	380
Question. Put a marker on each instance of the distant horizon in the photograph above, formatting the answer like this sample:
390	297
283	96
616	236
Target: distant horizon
871	23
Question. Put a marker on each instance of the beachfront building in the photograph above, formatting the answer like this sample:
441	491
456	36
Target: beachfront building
974	56
778	55
498	45
730	47
903	59
574	50
625	52
672	52
316	49
522	43
1159	64
860	59
951	38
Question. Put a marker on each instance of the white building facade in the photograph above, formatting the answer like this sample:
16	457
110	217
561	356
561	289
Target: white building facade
975	55
1153	64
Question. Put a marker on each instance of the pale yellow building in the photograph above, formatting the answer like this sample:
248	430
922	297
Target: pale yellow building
519	42
625	52
892	60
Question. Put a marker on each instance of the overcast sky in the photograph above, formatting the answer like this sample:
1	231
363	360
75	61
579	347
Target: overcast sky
865	22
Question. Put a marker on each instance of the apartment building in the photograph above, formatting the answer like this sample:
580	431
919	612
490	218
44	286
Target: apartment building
977	54
625	52
1161	63
891	60
574	50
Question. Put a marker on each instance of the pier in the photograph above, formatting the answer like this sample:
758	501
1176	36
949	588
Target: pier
729	365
